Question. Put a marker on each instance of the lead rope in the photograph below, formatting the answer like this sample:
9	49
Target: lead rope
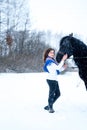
79	57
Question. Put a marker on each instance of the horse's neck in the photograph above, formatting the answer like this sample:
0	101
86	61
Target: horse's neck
79	50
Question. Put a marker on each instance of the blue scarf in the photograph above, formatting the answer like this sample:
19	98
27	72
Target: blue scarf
48	61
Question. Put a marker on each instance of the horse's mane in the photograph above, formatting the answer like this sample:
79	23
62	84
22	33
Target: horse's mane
73	40
78	46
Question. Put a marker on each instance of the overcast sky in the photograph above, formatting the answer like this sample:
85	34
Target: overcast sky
59	15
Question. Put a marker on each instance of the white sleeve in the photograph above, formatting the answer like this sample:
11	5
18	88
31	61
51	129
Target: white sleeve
60	65
62	69
53	66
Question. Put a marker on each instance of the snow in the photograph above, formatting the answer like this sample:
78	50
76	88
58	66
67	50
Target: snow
24	95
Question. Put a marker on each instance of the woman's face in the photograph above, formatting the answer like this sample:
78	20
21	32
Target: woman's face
51	54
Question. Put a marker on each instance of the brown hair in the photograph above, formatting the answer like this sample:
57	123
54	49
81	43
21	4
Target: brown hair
46	52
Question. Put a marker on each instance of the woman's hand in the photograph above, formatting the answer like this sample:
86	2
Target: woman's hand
65	66
65	57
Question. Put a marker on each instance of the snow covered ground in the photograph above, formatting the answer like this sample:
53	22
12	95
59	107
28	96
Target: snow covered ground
23	97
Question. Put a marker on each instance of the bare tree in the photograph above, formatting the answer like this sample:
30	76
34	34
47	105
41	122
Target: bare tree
13	17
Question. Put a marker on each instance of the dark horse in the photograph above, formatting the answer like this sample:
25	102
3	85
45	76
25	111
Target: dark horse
72	46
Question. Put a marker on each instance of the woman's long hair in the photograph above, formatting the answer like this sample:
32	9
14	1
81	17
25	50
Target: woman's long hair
46	52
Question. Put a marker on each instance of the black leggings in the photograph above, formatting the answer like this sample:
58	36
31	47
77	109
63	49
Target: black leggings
54	92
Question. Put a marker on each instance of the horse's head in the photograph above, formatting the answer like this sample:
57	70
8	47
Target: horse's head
64	48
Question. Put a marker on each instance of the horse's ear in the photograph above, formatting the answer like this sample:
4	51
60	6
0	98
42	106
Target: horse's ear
71	35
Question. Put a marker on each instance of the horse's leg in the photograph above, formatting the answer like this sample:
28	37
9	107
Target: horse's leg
85	84
84	78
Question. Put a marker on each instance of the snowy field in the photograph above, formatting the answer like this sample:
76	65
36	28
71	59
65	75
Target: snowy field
23	97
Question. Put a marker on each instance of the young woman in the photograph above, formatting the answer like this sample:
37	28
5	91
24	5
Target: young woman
53	69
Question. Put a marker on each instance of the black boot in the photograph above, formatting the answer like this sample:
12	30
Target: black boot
46	107
51	110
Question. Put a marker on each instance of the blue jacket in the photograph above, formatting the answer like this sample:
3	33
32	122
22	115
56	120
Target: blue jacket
49	62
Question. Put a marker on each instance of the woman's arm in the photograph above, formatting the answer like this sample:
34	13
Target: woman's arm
61	64
52	67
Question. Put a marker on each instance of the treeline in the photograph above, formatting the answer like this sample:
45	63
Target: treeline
16	36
